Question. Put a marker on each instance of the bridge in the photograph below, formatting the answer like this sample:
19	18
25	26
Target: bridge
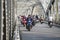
10	27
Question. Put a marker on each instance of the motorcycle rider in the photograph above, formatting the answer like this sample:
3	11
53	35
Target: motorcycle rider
37	17
29	18
50	20
24	21
33	23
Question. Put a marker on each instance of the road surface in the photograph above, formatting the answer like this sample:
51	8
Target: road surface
40	32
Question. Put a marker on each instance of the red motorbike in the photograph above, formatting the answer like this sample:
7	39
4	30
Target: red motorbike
24	22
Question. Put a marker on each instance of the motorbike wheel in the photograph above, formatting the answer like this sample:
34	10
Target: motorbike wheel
29	29
50	26
33	23
26	26
41	22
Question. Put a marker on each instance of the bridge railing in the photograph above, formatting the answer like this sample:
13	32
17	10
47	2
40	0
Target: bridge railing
16	33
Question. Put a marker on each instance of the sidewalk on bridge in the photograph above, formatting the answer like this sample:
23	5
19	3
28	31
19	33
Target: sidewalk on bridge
54	24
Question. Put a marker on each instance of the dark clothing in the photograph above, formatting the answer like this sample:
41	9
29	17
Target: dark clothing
36	17
29	19
29	22
50	22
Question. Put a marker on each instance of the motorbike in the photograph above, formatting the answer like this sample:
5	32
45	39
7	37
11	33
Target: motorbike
33	23
29	25
41	21
24	22
50	24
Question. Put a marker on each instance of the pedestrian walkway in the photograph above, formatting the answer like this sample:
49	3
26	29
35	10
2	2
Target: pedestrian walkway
40	32
54	24
16	34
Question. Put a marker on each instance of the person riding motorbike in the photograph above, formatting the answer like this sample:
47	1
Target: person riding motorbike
24	21
41	20
37	17
50	21
34	19
29	22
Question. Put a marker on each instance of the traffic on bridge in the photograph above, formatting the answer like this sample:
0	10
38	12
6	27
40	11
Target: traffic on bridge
29	19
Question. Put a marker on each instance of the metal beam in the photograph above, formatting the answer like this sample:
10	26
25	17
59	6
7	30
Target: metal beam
1	19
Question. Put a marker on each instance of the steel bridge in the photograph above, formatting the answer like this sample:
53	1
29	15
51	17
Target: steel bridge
9	20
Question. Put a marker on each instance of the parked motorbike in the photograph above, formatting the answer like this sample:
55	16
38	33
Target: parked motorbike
29	25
